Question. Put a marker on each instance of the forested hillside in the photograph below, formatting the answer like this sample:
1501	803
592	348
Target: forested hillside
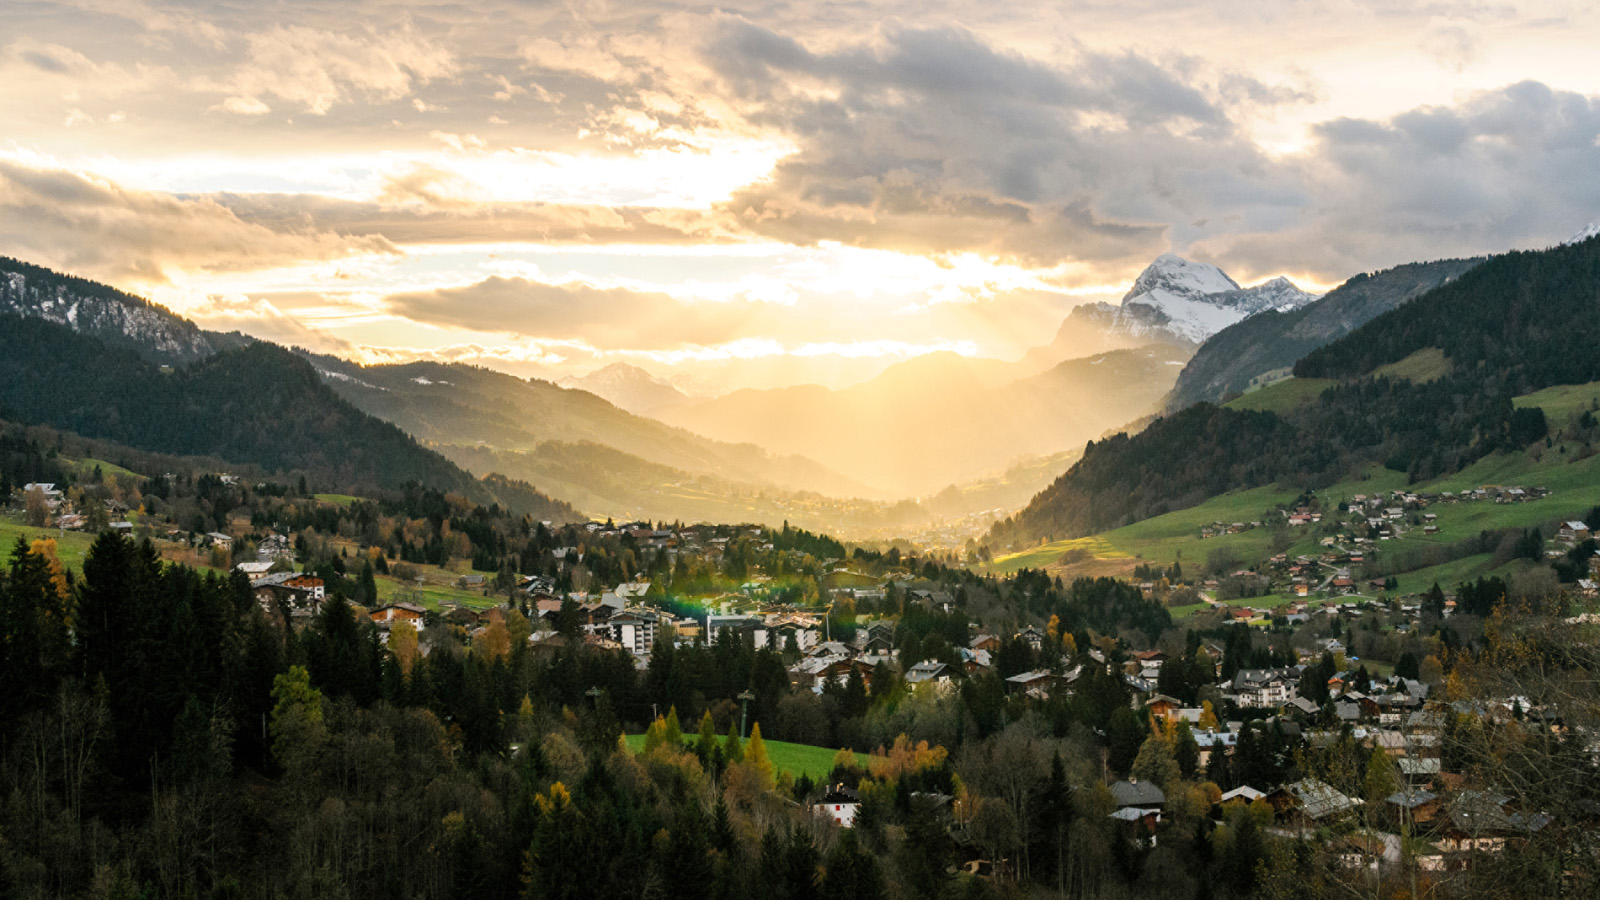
256	404
1270	341
471	407
1515	324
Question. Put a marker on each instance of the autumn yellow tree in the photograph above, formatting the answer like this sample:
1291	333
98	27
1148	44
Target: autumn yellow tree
755	755
494	641
403	644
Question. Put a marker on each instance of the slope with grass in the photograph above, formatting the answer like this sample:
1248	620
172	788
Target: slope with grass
1564	403
1282	396
71	546
1574	486
796	759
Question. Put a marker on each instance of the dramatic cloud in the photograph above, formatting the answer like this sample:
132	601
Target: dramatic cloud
932	140
94	226
603	318
1504	168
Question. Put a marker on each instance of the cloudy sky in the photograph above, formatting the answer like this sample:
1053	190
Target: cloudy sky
766	192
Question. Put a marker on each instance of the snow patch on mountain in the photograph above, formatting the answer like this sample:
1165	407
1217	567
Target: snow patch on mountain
340	376
127	320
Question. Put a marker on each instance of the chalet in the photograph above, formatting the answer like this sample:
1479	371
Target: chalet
815	672
1150	659
464	616
1483	821
386	616
1141	822
274	547
1033	636
1214	742
1244	794
1573	532
840	804
1136	794
985	642
1310	803
1038	683
471	582
218	539
1163	707
1418	769
928	671
879	638
1414	804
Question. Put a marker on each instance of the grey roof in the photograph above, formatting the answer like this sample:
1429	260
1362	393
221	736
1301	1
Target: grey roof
1427	765
1411	799
1318	799
1137	793
1484	812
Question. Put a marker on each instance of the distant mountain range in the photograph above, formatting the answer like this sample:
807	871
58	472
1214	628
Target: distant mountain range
939	423
942	419
468	406
629	387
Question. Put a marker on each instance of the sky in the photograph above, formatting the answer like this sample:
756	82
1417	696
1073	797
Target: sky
768	193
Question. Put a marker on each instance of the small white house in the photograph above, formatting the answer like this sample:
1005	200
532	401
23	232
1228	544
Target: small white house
840	804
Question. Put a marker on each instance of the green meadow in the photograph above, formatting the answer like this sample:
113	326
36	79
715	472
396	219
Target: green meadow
796	759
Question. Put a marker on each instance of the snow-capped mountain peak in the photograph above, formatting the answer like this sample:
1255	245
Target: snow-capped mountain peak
1180	300
1592	230
1180	277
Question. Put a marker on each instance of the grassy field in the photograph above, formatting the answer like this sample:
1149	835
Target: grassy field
87	465
1447	576
337	499
797	759
70	547
435	590
1562	403
1282	396
1427	364
1162	538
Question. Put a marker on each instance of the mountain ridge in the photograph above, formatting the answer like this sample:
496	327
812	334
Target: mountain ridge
1237	356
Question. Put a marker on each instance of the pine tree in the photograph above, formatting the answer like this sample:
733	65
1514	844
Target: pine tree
674	732
706	742
732	747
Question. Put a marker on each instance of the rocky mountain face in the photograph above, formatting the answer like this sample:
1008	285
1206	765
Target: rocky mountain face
103	312
1175	300
1272	341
